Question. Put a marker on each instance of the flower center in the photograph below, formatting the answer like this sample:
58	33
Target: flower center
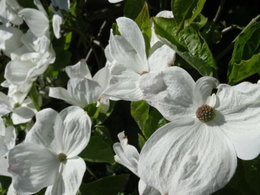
62	157
205	113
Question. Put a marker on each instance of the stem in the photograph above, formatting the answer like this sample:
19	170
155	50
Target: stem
229	28
220	8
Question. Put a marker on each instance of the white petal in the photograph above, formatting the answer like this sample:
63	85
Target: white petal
84	91
161	58
62	94
56	23
144	189
239	107
16	71
4	167
131	32
126	154
42	132
203	89
124	85
10	39
75	134
79	70
69	179
32	167
36	20
185	157
102	77
114	1
4	104
22	115
8	140
170	91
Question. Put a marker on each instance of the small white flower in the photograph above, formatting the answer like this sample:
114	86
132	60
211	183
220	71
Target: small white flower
21	112
128	156
49	156
126	55
196	153
82	89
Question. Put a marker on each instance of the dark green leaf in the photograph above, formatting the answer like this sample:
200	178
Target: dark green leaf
144	23
188	43
36	97
185	11
147	118
99	148
246	54
252	174
111	185
132	8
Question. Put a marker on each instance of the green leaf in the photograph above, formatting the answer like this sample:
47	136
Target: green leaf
99	148
147	118
185	11
144	23
188	43
246	54
36	97
111	185
252	173
133	7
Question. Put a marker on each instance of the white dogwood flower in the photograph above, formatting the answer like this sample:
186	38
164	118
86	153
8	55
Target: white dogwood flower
9	12
128	62
196	153
21	112
128	156
49	155
82	88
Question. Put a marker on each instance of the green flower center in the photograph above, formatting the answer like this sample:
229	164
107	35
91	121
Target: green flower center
205	113
62	157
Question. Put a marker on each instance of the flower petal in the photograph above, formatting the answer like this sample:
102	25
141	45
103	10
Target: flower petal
144	189
4	167
4	104
36	20
16	71
126	154
161	58
133	35
203	89
42	132
22	115
75	134
62	94
56	23
8	140
32	167
79	70
170	91
124	85
240	109
70	178
187	157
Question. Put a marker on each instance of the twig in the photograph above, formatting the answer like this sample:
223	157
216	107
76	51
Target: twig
220	8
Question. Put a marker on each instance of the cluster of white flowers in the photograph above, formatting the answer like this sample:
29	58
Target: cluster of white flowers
195	153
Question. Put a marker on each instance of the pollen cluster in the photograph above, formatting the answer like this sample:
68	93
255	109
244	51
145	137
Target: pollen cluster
205	113
62	157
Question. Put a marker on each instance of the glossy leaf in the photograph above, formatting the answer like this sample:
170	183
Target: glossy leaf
111	185
99	148
144	23
188	43
185	11
147	118
246	54
133	7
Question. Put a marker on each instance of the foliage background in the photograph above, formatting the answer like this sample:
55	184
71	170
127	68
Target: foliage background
85	34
